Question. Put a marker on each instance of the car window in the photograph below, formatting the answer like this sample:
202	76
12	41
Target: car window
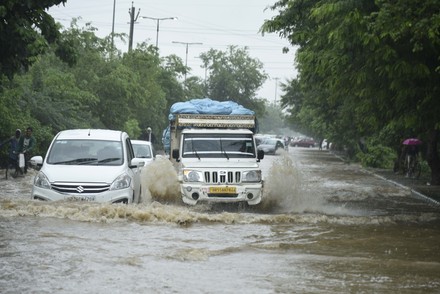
130	150
142	151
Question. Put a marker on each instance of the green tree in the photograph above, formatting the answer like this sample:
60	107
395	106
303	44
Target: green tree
273	121
26	29
368	66
172	68
234	75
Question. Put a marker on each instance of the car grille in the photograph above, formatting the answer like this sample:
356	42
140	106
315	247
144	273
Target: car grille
222	177
80	188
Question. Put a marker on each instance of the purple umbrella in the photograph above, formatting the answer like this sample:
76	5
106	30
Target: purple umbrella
412	141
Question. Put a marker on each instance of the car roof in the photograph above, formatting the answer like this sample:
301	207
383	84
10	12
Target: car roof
93	134
140	142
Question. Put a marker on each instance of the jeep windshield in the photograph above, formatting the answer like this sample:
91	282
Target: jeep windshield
86	152
218	146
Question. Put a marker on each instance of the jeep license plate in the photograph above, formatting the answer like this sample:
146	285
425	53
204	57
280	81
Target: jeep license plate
222	190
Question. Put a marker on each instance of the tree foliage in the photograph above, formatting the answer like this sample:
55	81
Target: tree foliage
26	30
234	75
81	81
365	66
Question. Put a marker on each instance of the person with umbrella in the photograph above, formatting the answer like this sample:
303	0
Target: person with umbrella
412	153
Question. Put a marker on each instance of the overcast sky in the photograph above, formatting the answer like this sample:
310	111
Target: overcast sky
214	23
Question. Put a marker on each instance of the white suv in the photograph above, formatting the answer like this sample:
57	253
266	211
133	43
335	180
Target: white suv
89	165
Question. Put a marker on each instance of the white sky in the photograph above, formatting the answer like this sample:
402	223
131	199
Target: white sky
214	23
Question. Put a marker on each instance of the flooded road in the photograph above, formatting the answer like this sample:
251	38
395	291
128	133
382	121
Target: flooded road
324	227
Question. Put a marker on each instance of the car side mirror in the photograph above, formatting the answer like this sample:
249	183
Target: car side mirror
137	162
36	161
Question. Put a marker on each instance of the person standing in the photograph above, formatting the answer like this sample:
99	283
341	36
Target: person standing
412	152
26	145
13	146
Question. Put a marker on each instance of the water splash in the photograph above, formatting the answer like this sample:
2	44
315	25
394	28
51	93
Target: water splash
285	189
159	182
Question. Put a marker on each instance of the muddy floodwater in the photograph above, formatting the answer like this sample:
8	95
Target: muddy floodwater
324	227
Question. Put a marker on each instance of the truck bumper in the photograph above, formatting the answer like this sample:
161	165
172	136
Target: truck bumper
195	192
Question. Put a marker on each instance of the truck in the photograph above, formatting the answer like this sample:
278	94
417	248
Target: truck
216	158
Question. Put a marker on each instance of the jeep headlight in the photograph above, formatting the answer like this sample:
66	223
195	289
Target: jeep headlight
192	176
252	176
121	182
42	181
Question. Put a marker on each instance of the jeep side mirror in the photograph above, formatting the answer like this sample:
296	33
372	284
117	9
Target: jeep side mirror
260	154
175	154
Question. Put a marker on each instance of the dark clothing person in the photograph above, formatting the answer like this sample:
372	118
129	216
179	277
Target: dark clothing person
412	151
13	146
26	146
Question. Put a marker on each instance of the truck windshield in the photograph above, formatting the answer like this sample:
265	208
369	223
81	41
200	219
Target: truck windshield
218	145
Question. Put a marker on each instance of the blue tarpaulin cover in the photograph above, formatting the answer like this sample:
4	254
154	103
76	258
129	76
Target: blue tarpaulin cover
202	106
208	106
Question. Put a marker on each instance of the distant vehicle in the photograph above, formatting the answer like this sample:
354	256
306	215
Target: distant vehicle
303	142
144	149
89	165
271	146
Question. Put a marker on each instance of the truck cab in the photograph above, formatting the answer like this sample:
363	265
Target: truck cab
217	164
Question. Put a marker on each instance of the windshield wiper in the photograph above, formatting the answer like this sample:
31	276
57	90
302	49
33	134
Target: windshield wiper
109	159
194	150
77	161
222	150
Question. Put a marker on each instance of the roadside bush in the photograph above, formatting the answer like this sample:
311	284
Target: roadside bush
377	156
425	167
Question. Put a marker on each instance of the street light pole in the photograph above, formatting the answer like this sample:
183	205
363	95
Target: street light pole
276	88
157	25
186	56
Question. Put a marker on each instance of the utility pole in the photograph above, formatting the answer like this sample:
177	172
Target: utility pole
186	56
276	88
132	21
113	28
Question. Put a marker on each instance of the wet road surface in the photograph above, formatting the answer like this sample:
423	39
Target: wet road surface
325	227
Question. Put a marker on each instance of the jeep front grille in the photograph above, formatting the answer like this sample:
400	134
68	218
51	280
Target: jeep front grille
222	177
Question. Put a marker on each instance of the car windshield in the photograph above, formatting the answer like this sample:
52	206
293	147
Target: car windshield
86	152
142	150
218	145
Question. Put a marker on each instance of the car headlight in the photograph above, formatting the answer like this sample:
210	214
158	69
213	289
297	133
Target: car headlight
121	182
252	176
192	176
42	181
